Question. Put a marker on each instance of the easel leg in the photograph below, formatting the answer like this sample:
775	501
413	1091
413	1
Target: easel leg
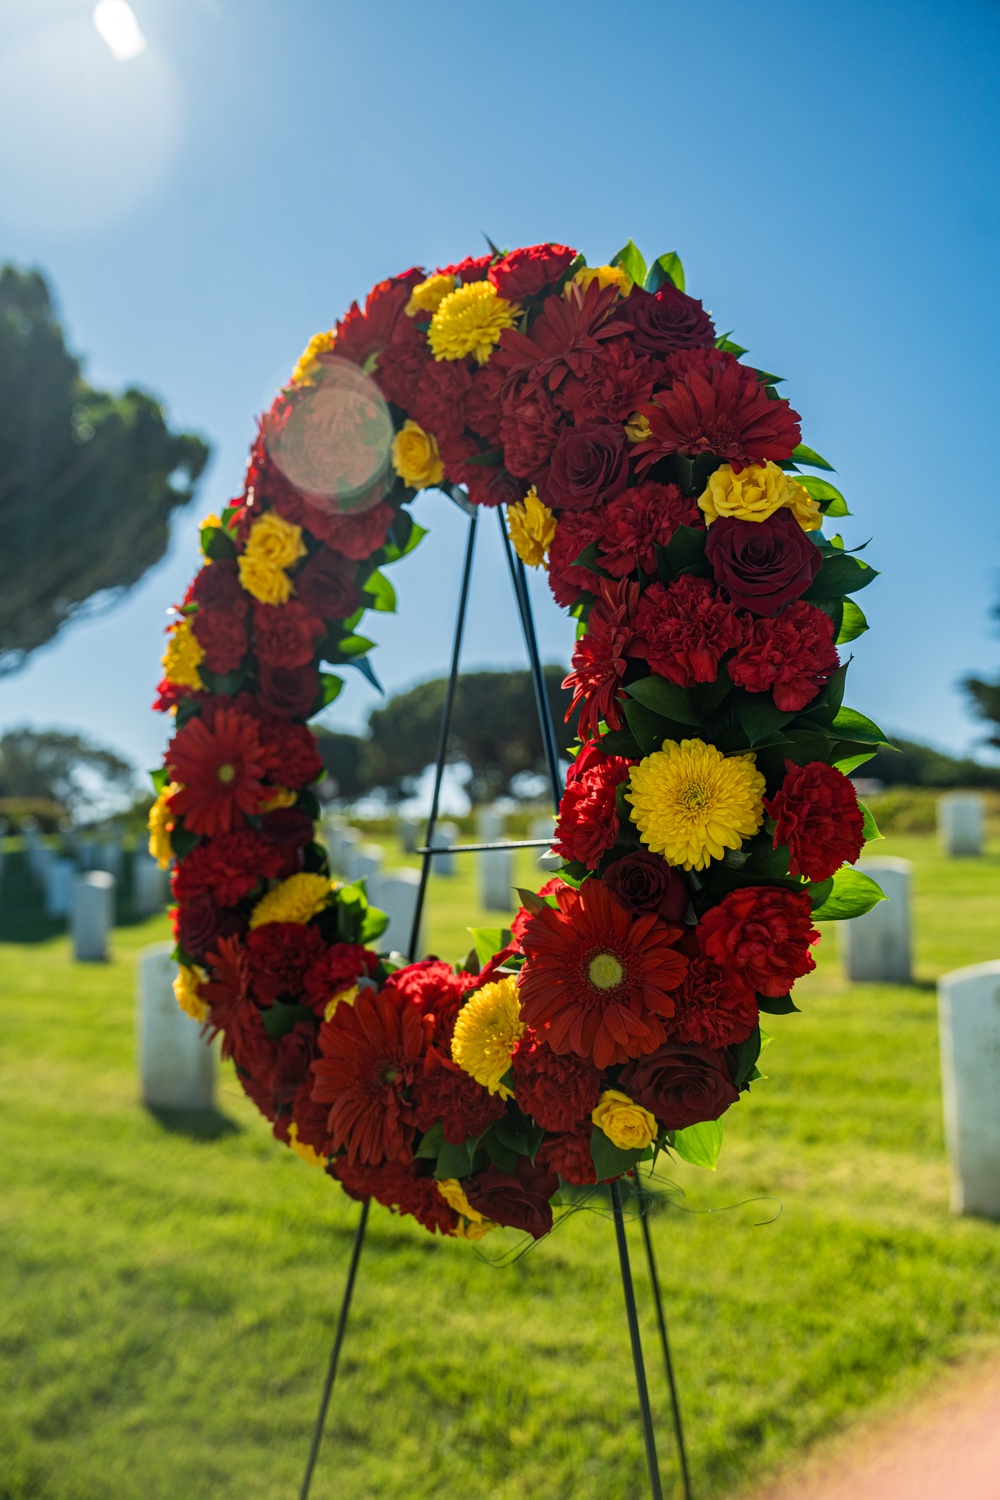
649	1436
668	1362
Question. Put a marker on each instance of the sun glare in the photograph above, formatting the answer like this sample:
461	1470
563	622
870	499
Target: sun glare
115	21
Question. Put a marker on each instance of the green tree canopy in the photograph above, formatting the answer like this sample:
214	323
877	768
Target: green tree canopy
88	480
68	769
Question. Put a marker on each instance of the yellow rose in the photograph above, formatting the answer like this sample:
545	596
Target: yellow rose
266	583
415	456
307	1153
161	821
428	295
532	528
187	991
625	1123
273	539
183	657
342	997
755	493
604	276
472	1224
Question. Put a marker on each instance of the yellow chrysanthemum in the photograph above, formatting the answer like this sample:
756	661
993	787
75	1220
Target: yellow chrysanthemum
280	796
428	295
691	803
531	527
487	1030
473	1225
183	657
604	276
625	1123
342	997
160	823
307	1153
295	900
274	544
308	361
637	428
470	320
755	493
415	456
187	990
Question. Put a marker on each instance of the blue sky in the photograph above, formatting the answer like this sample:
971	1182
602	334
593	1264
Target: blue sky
827	173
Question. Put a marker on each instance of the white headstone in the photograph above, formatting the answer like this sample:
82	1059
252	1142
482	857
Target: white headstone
59	886
878	947
411	832
176	1064
960	824
489	825
149	884
92	909
543	828
445	834
364	861
496	880
395	893
969	1018
341	842
110	857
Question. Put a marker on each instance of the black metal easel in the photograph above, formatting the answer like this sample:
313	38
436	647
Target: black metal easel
427	851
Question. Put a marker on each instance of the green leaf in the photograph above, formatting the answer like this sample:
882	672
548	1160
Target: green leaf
182	840
850	725
828	497
649	730
620	742
488	941
381	592
432	1142
610	1160
353	645
217	543
453	1161
330	686
160	778
852	624
782	1005
700	1144
684	553
588	560
853	894
665	698
404	535
279	1019
488	459
840	574
665	268
870	830
850	763
725	343
631	259
221	682
743	1057
374	924
804	455
760	717
818	890
498	1153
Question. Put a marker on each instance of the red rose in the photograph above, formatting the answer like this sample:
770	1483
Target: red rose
684	630
575	530
638	521
222	635
287	825
588	464
198	924
217	586
763	564
326	586
528	429
724	411
793	655
643	882
762	934
525	273
558	1092
681	1085
588	819
519	1199
667	320
714	1009
617	383
444	1092
285	635
570	1156
816	814
288	691
280	953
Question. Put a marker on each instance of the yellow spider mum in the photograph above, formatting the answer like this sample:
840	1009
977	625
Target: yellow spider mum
274	544
415	456
470	320
488	1028
637	428
755	493
183	657
160	823
428	295
187	990
307	1153
604	276
473	1225
625	1123
691	803
295	900
308	361
531	527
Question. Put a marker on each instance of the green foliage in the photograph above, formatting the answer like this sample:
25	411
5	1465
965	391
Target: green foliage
610	1160
631	260
88	481
699	1144
984	698
852	894
667	268
913	764
68	769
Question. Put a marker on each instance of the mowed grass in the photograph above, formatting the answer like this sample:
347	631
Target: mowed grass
168	1288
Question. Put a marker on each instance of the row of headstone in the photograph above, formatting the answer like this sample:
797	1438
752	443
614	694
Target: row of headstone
960	824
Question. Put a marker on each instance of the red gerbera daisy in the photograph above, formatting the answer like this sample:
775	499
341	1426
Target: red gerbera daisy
371	1054
724	411
596	980
220	771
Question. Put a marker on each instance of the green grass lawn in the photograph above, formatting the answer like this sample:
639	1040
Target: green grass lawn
168	1288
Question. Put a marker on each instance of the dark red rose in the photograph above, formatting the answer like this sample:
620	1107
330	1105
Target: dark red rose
518	1199
326	586
667	320
528	430
763	564
643	882
792	655
288	691
280	954
287	825
296	1051
570	1156
681	1085
724	411
222	635
558	1092
525	273
683	630
762	934
588	818
285	635
588	464
217	586
198	924
816	814
444	1092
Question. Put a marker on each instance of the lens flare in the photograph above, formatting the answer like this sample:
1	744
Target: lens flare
332	438
117	26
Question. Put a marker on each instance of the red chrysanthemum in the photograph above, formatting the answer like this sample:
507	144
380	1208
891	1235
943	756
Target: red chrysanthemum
228	984
565	337
522	916
595	980
443	1092
816	814
713	1008
558	1092
338	968
724	411
406	1189
588	823
228	867
285	635
570	1156
762	934
638	521
684	630
220	771
792	655
600	658
371	1054
280	953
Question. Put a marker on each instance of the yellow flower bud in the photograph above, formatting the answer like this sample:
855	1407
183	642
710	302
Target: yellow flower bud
308	362
604	276
637	428
415	456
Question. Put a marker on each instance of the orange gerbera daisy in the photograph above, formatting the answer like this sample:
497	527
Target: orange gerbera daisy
596	980
220	771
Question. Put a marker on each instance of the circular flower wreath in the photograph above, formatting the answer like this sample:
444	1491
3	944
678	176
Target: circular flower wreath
707	818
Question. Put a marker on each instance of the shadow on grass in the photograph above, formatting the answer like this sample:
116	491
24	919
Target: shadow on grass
196	1124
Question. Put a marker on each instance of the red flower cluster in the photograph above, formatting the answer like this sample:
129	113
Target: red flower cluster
685	630
791	655
761	935
588	823
816	814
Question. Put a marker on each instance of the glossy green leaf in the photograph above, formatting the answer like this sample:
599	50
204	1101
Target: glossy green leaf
851	725
160	778
610	1160
852	623
871	829
725	343
840	574
852	895
760	718
631	259
279	1019
374	924
488	941
684	553
330	686
665	268
781	1005
827	496
804	455
453	1161
665	698
700	1144
850	763
431	1143
381	592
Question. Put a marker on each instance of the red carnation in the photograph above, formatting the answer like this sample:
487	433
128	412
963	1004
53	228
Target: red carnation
326	586
713	1009
437	990
336	969
637	522
285	635
287	825
557	1092
308	1117
217	586
816	814
405	1189
438	403
793	655
570	1156
762	934
588	819
228	867
472	268
575	530
361	334
519	1199
600	658
280	953
684	630
290	691
444	1092
403	363
725	412
527	272
529	426
668	320
289	752
482	404
356	535
681	1085
588	464
618	382
223	638
220	770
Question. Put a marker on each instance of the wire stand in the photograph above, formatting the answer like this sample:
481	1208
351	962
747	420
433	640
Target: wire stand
427	851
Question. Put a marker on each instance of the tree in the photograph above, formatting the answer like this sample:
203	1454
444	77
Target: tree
88	481
50	765
913	764
342	756
985	704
